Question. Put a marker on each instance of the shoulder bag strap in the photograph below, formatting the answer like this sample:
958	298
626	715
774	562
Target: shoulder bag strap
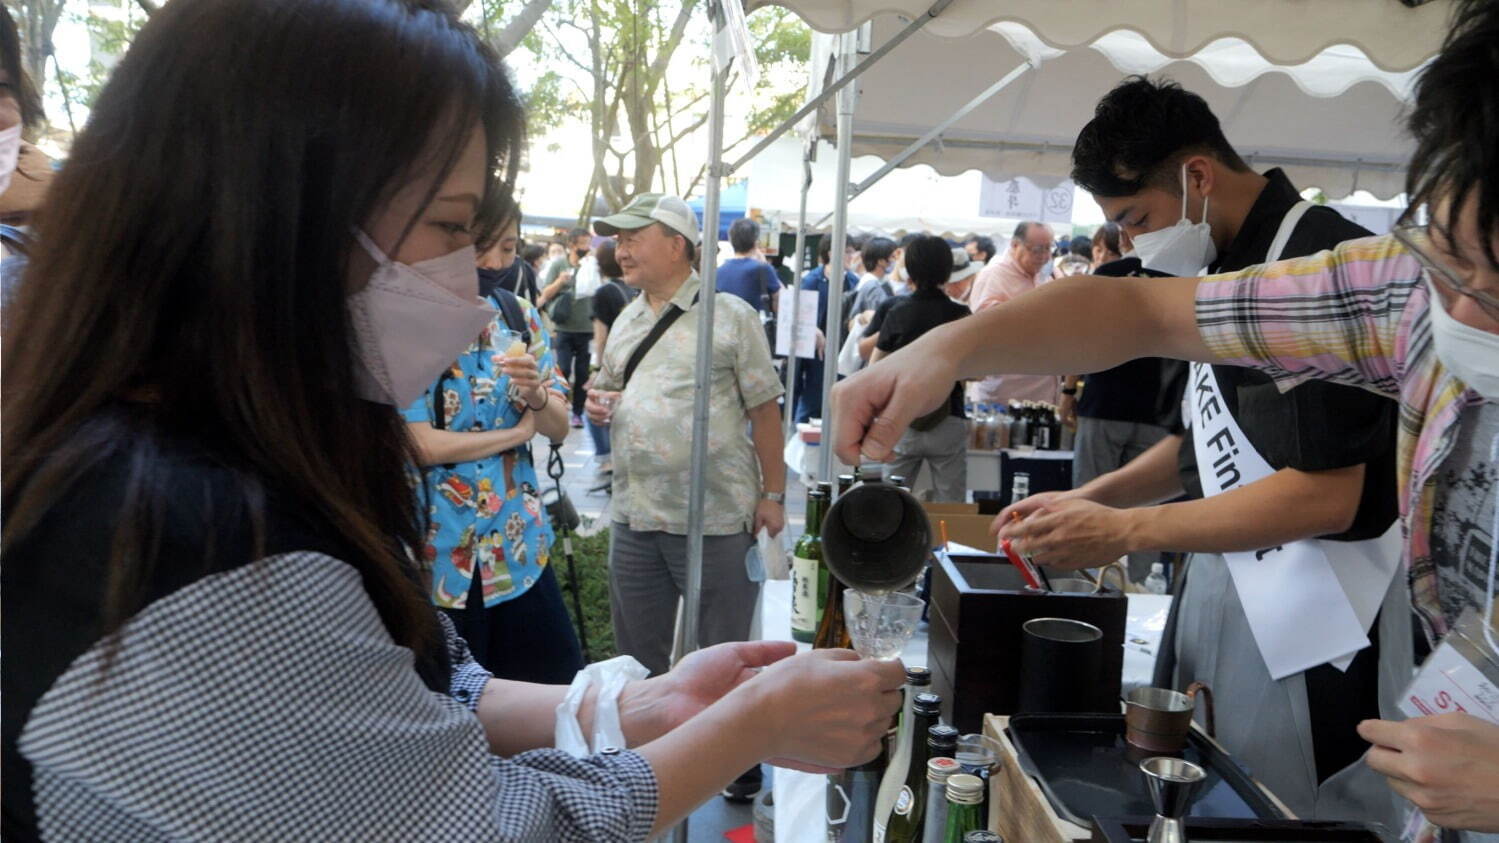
672	314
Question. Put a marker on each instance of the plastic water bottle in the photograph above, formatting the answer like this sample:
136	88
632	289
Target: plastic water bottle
1156	582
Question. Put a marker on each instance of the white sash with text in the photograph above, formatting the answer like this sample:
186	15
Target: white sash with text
1308	602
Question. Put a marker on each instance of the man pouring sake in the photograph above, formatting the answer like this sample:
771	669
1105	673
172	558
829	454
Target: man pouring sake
1413	316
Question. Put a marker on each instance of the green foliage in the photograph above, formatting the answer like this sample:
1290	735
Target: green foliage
591	559
547	104
636	71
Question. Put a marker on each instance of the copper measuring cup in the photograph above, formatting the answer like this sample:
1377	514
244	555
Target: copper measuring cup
1158	719
1085	584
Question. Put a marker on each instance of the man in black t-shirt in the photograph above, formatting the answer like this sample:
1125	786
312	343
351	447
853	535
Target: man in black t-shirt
939	439
1154	155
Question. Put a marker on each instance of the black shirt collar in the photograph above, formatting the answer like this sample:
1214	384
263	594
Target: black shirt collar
1260	225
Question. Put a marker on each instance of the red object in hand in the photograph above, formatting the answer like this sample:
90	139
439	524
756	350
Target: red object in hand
1025	566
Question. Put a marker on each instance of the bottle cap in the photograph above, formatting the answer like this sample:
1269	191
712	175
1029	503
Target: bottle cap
942	740
927	703
965	789
920	675
939	769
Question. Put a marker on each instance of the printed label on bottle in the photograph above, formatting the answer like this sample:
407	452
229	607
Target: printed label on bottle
804	594
904	801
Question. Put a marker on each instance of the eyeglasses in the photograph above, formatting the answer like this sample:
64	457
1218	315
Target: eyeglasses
1038	251
1417	240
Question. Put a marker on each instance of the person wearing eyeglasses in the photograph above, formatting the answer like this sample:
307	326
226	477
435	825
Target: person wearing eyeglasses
1018	271
1413	315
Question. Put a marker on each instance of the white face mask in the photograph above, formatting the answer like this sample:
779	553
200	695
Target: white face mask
10	150
1185	249
1468	352
411	321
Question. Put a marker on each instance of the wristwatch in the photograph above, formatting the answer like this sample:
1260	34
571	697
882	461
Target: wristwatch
777	497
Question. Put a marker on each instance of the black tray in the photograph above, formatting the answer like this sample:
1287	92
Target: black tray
1087	770
1201	830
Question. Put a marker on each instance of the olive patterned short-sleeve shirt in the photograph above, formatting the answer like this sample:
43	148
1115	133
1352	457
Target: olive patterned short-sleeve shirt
652	424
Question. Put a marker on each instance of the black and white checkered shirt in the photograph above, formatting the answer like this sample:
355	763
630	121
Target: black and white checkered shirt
268	702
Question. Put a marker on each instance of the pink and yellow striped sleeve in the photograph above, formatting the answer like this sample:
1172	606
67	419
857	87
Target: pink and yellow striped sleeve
1344	315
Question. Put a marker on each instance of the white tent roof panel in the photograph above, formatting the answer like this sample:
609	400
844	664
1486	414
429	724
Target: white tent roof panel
1391	35
1332	123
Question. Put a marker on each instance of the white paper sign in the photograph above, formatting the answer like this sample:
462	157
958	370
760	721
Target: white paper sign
806	323
1020	198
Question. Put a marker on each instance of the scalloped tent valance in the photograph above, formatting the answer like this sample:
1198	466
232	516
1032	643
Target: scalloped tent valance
1331	121
1391	35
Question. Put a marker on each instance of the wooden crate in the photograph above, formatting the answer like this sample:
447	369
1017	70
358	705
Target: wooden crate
1018	810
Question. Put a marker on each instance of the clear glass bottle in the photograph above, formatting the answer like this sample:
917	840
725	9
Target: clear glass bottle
1155	583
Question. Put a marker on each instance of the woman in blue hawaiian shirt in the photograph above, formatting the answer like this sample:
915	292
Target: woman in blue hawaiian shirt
473	429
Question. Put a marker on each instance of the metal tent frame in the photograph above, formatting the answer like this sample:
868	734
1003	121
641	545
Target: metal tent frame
849	66
848	70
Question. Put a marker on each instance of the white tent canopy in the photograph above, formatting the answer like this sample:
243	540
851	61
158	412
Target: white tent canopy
1332	121
1390	34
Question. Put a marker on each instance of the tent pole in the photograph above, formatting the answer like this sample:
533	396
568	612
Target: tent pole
709	261
843	77
935	132
796	292
847	100
697	487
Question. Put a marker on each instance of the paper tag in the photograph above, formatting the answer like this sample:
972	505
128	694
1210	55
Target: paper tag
1448	683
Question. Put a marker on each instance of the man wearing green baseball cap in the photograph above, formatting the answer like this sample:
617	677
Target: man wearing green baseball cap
649	209
645	390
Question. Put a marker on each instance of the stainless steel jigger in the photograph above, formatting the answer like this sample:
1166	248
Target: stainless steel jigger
1172	783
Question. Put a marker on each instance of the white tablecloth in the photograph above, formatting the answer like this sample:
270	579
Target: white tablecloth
799	807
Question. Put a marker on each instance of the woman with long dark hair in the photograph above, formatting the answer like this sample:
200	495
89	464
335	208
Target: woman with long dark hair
213	624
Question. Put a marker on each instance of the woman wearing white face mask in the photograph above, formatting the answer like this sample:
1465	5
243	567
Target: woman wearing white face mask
214	619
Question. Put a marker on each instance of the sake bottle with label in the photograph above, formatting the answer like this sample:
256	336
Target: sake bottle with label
808	572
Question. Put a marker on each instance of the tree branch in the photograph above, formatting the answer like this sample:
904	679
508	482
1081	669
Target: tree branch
701	171
524	21
693	127
663	55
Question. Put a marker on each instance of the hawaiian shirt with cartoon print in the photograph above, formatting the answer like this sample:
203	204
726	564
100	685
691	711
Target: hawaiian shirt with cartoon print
485	514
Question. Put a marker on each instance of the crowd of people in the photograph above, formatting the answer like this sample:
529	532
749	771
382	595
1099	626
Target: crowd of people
328	355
